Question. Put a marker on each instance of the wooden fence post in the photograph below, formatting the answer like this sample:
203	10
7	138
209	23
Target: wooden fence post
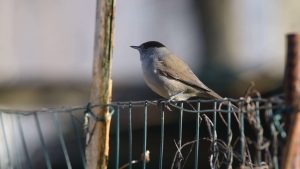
291	159
97	149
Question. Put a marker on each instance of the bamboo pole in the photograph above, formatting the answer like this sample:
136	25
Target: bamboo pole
291	158
97	148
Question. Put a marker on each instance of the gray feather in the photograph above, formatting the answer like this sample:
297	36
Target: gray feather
174	68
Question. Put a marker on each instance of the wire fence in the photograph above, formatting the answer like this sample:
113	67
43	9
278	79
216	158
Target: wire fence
27	137
150	134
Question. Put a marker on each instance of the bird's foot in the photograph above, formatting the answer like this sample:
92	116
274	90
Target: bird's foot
175	97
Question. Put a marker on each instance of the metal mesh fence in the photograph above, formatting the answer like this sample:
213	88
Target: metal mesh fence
149	134
199	134
48	138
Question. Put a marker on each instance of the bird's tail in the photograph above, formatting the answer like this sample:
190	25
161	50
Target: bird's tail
213	95
209	95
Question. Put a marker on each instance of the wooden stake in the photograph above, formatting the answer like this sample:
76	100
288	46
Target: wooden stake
291	159
97	150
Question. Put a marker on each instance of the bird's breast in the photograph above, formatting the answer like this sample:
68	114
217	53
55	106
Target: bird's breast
153	79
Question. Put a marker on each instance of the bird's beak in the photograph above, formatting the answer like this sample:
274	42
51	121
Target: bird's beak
135	47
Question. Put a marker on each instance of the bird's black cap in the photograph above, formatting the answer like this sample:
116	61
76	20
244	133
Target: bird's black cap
152	44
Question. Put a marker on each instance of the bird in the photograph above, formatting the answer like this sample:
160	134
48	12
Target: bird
169	76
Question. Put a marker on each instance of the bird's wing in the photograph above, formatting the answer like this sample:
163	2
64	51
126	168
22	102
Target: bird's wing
174	68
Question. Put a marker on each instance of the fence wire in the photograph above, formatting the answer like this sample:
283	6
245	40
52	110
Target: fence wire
149	134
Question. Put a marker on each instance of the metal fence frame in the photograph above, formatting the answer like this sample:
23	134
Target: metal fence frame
259	105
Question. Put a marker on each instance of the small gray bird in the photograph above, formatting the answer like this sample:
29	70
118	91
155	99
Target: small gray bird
169	76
